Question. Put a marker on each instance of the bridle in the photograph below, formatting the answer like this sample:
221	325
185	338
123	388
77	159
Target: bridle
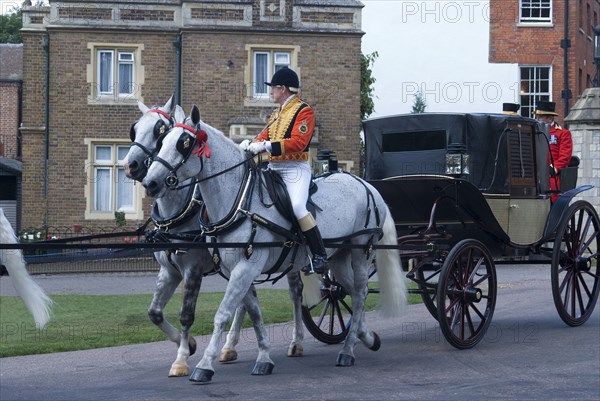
160	130
186	146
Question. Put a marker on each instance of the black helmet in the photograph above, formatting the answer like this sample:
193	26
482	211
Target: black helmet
286	77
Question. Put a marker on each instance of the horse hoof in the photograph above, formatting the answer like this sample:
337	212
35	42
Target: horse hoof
295	350
201	375
263	368
376	343
179	370
228	355
192	345
344	360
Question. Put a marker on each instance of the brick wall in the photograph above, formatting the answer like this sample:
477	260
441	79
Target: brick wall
9	118
330	81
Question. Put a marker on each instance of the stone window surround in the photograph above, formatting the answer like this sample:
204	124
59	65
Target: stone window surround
249	99
92	69
90	214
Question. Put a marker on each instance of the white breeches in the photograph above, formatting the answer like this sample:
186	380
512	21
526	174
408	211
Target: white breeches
296	176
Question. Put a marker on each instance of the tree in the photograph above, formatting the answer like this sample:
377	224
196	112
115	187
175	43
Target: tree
420	104
367	106
10	27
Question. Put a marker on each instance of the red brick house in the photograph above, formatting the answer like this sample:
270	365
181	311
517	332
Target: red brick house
87	64
552	41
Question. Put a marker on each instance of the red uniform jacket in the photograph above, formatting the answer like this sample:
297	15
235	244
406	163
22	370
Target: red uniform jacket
561	149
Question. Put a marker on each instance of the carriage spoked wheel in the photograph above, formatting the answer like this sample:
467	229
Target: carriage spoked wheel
575	264
466	294
329	320
428	279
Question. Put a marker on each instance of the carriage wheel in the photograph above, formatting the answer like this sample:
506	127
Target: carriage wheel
427	279
575	264
466	293
329	320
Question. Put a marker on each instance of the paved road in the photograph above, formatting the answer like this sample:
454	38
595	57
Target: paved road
527	354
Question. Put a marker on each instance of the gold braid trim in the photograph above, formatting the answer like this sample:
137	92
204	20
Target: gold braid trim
283	120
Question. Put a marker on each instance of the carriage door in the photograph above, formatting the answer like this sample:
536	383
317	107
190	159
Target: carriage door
527	209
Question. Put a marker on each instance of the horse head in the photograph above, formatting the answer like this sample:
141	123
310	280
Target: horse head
186	152
146	134
175	149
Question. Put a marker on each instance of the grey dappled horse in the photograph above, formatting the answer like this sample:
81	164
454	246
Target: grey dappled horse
238	214
176	213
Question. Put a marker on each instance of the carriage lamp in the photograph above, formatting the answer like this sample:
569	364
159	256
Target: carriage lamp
326	162
457	161
597	55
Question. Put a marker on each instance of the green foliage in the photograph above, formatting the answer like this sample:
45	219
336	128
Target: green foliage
10	28
120	219
420	104
367	106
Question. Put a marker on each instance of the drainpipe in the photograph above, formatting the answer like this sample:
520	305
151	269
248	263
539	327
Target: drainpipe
566	94
46	46
177	43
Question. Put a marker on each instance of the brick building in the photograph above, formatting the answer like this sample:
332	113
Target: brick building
11	82
88	63
552	41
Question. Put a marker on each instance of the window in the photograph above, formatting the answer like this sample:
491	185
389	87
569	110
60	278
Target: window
108	189
266	63
536	11
115	73
120	84
535	86
263	62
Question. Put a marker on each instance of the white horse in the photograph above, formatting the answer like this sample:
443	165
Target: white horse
177	212
351	209
34	297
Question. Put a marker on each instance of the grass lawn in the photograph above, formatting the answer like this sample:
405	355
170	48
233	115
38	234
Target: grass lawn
93	321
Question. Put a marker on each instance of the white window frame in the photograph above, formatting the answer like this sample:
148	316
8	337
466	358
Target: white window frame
535	6
93	187
106	88
257	94
529	97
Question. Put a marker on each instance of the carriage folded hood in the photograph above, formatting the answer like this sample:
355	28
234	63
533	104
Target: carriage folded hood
418	143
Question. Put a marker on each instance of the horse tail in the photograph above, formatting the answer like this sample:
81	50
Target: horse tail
34	297
389	270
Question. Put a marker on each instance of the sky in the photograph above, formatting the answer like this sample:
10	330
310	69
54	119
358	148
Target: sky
439	47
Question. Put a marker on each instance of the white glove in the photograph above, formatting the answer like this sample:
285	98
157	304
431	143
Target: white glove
245	144
256	148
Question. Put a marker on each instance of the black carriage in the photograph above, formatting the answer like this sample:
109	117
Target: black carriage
467	191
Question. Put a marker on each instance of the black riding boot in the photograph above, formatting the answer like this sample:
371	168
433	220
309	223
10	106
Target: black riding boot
317	248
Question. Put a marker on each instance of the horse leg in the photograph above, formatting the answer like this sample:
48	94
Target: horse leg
228	352
295	290
237	290
355	280
187	344
167	281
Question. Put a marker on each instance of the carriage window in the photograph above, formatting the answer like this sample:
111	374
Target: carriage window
115	73
263	62
535	11
112	190
536	85
414	141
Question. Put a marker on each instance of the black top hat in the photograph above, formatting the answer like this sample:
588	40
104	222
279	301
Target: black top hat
286	77
510	108
546	108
